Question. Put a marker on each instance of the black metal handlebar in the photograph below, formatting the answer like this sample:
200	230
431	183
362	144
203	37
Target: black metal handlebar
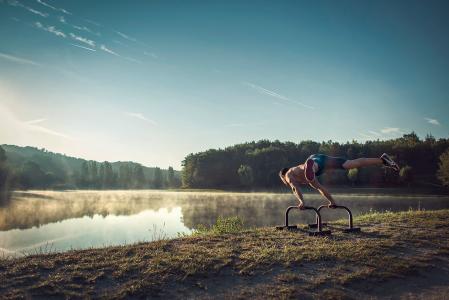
319	226
319	223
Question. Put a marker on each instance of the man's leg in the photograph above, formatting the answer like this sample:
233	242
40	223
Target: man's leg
362	162
385	160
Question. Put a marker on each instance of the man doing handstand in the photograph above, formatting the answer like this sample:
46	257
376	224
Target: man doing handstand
317	164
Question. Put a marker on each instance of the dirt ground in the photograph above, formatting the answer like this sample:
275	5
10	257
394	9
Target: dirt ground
396	256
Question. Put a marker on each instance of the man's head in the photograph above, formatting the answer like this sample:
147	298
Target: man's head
282	175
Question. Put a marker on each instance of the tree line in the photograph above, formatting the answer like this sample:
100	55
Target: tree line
32	168
256	164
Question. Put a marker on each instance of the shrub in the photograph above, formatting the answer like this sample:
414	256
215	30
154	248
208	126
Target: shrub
222	225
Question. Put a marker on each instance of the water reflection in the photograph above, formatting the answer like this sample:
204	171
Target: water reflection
81	219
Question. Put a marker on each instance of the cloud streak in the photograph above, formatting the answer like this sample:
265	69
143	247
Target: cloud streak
82	47
150	54
18	59
385	133
126	37
106	49
82	40
32	125
391	130
267	92
140	117
433	121
84	28
32	10
31	122
53	8
51	29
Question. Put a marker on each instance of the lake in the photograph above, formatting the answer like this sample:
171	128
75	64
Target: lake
59	221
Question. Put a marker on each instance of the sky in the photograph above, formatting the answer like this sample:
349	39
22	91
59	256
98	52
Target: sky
152	81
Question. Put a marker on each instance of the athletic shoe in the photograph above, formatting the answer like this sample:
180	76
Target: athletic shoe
389	162
309	173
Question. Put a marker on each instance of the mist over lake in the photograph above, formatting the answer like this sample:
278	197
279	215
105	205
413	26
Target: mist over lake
83	219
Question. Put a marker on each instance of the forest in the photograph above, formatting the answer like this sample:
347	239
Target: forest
255	165
32	168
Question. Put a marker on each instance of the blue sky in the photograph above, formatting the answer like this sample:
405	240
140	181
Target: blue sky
151	81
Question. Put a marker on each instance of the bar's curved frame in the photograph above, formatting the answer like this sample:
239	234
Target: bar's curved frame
318	224
350	228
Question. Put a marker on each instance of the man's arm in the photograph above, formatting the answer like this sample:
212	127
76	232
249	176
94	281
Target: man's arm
296	191
323	191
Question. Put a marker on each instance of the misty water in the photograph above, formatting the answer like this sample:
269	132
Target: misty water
59	221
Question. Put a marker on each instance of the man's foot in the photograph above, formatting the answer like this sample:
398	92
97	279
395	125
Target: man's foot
309	173
386	159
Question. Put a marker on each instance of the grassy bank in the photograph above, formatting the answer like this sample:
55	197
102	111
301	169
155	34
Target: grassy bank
397	254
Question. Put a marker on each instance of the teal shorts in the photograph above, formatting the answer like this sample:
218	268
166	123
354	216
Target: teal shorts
325	162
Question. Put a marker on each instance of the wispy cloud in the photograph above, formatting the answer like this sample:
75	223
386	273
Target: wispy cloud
151	54
17	59
433	121
366	136
51	29
30	9
86	29
140	117
391	130
125	36
82	47
46	4
132	60
31	122
382	134
375	133
32	126
106	49
265	91
53	8
92	22
120	43
82	39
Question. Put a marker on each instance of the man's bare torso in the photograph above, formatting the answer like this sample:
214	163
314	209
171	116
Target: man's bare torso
296	175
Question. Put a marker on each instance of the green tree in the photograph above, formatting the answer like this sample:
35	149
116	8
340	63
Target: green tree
124	178
246	176
406	175
138	177
171	177
101	172
157	179
32	176
4	176
84	174
109	176
353	175
93	174
443	168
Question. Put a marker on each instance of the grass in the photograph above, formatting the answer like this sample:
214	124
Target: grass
225	260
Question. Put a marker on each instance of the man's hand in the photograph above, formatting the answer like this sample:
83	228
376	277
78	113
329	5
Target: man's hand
323	191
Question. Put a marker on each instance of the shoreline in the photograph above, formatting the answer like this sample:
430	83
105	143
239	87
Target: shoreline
307	190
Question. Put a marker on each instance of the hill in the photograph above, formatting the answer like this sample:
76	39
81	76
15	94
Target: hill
30	167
